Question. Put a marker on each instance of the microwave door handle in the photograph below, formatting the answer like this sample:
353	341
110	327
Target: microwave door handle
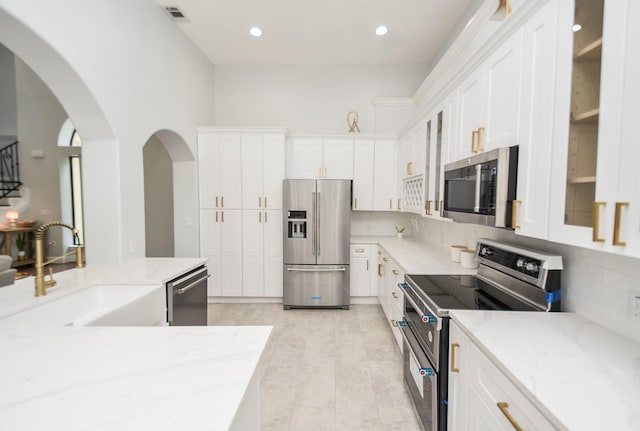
476	202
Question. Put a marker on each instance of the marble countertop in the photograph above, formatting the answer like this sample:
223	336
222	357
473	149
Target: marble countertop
574	370
415	257
21	295
115	378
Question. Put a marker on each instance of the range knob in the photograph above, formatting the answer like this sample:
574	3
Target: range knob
520	263
485	251
532	267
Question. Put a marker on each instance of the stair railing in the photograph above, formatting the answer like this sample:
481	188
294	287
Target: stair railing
9	170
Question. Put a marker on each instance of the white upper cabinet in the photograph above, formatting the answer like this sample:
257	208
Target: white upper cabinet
384	173
262	170
593	200
363	169
338	158
531	210
471	105
219	170
502	76
489	102
320	157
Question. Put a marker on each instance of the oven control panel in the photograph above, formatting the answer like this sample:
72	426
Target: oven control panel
521	263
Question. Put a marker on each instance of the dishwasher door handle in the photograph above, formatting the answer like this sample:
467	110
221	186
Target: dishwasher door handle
191	285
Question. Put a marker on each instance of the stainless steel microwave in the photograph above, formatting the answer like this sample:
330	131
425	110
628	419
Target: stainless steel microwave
481	189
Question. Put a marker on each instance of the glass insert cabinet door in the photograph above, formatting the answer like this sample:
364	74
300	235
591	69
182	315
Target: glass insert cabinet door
585	113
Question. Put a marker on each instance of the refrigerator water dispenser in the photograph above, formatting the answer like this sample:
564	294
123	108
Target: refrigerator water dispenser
297	224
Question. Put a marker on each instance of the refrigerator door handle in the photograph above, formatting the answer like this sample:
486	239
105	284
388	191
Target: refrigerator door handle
343	269
313	234
318	223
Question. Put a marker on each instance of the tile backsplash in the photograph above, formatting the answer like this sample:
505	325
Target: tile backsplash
599	286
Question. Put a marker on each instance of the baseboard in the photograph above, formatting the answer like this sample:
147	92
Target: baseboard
355	300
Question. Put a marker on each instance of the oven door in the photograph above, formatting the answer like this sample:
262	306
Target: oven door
421	380
422	321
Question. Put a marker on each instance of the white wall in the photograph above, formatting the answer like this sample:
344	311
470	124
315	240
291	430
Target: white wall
595	285
122	71
309	98
8	122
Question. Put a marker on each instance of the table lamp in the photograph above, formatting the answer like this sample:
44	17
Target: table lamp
12	217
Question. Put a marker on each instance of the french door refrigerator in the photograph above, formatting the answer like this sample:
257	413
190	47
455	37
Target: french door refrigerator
317	230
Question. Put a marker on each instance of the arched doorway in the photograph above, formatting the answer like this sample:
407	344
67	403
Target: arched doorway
164	226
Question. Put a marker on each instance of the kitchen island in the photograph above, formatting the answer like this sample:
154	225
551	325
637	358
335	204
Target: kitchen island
115	378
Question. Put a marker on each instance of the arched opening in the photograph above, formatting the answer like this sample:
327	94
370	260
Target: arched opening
163	191
76	102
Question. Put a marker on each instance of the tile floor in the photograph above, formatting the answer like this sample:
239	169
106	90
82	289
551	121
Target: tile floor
326	369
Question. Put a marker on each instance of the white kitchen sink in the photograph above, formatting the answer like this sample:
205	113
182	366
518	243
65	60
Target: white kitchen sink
99	305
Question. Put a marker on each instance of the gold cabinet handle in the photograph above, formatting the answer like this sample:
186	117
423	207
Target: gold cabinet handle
441	208
355	203
379	270
514	214
399	201
259	202
596	221
221	201
454	346
474	137
504	408
260	217
325	172
367	264
480	147
395	295
410	168
395	272
216	216
390	204
385	259
265	201
265	216
216	201
427	207
222	216
616	224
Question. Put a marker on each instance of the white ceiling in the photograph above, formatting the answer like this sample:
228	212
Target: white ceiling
319	32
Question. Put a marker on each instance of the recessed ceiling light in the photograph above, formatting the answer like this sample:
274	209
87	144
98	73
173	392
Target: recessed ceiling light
255	32
381	30
576	27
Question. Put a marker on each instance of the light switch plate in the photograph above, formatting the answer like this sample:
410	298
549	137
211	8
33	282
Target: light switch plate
635	306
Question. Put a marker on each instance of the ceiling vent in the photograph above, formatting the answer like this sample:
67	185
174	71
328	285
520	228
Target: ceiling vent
175	13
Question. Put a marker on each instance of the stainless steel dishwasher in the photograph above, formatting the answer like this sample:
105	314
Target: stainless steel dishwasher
187	298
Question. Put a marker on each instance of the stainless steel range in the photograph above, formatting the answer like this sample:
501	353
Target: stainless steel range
508	278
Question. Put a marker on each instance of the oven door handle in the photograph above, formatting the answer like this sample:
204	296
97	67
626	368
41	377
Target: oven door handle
426	318
424	371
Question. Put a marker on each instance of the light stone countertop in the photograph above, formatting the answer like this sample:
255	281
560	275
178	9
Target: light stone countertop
415	257
21	295
116	378
572	369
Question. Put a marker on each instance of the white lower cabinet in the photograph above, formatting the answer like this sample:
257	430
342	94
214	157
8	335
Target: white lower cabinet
262	253
390	296
481	397
221	243
362	282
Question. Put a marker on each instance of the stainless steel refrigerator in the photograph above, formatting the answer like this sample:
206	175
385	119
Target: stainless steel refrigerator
317	230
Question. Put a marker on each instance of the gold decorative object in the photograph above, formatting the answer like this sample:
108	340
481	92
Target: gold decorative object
352	121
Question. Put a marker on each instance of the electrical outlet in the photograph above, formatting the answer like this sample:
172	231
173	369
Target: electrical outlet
635	306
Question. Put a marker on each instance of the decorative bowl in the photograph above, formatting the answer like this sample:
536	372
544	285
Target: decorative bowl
26	223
